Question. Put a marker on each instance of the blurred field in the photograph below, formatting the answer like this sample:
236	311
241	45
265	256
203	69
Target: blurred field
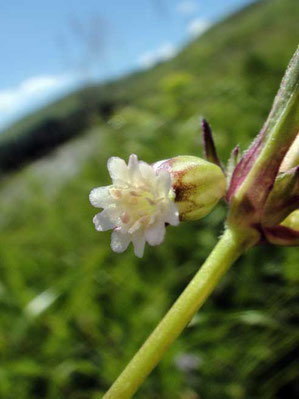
72	313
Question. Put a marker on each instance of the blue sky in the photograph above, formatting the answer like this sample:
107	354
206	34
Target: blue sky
50	47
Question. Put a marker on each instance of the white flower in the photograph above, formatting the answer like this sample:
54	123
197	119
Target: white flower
136	206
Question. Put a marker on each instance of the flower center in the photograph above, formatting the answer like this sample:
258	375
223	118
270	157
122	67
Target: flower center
138	206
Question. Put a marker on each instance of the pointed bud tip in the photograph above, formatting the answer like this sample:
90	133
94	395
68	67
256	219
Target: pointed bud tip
204	124
209	145
236	151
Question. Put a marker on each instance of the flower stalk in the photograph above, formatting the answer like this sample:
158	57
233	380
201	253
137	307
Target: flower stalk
262	192
227	250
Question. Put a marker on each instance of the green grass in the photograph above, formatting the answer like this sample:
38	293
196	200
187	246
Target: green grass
72	313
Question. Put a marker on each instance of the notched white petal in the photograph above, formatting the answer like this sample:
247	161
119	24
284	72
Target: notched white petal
99	197
139	243
133	167
163	183
119	241
147	171
171	214
103	221
118	170
155	234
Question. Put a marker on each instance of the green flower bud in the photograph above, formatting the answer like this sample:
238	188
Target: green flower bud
198	185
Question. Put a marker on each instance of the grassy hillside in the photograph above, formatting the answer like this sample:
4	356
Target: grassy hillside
232	68
72	313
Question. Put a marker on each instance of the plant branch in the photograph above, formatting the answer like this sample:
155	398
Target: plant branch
230	246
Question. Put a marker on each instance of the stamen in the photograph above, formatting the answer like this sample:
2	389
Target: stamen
115	193
150	201
125	217
134	193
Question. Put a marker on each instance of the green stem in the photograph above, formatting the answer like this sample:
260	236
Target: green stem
228	249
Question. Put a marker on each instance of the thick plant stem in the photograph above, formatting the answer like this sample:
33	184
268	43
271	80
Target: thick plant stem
228	249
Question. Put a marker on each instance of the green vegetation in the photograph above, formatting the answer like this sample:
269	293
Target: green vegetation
72	313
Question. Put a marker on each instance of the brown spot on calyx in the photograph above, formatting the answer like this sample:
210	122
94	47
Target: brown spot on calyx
179	174
182	191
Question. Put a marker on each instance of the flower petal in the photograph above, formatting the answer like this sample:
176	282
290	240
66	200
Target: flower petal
171	214
136	206
147	171
100	197
133	167
119	241
138	242
103	221
163	183
155	233
118	170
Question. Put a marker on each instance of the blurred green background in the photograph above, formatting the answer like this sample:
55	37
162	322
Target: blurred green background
72	313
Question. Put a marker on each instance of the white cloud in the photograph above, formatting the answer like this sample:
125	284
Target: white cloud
186	7
198	26
31	93
163	53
